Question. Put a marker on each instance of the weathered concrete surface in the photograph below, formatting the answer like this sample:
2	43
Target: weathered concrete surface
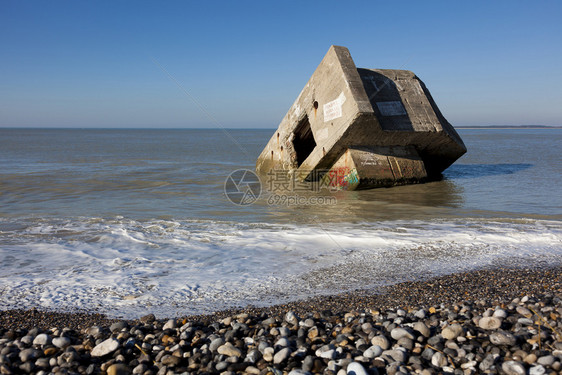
362	128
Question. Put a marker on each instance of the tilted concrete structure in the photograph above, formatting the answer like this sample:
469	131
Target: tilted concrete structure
362	128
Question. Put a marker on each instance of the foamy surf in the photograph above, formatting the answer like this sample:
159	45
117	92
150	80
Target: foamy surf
128	268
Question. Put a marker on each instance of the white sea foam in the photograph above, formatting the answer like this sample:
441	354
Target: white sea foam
128	268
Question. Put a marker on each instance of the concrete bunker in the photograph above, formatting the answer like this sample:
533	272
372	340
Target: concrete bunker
360	128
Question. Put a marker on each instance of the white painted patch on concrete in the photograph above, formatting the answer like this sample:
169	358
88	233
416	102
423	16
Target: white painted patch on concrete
391	108
322	134
333	109
297	110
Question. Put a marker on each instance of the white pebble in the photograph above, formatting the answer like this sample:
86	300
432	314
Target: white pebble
355	368
105	347
500	313
537	370
281	355
42	339
489	322
398	333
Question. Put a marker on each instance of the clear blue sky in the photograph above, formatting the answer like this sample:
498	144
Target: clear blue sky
90	63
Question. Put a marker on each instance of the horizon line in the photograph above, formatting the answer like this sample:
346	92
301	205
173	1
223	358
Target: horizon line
252	128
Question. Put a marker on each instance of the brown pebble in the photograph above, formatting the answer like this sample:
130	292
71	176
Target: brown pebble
313	332
531	358
118	369
167	339
147	319
50	351
319	366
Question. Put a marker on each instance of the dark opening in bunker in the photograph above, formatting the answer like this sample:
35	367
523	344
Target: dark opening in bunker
303	141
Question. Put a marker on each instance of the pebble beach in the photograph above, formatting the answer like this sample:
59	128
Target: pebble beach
504	321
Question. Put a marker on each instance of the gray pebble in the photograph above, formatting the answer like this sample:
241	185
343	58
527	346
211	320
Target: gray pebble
546	360
118	326
502	338
61	342
170	324
27	340
140	369
283	342
281	356
94	331
513	368
439	360
291	318
406	343
396	354
373	352
381	341
487	362
29	354
434	340
221	366
452	331
27	367
308	363
524	311
284	332
253	356
422	328
427	354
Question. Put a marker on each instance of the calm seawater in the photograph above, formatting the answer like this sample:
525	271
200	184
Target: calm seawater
134	221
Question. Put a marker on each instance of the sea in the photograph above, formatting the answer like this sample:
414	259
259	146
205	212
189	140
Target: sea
128	222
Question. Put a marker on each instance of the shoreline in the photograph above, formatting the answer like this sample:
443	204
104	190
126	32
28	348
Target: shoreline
498	320
453	288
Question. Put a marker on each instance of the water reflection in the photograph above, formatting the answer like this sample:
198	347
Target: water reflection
457	171
398	203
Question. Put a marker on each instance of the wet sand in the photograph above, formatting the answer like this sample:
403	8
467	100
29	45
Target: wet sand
488	286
